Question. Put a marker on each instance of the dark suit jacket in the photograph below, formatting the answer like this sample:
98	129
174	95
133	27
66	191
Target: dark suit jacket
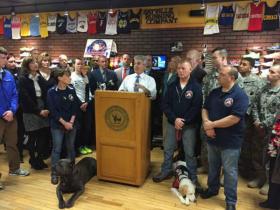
119	74
27	94
198	73
96	79
167	83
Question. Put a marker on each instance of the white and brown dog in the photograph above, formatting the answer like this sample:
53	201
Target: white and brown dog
182	186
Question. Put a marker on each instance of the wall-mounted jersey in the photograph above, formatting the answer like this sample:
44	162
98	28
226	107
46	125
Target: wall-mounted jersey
82	24
16	27
271	18
226	16
71	25
241	18
25	25
2	25
112	22
44	25
256	17
101	22
134	21
34	26
61	22
211	20
92	21
8	28
123	22
52	23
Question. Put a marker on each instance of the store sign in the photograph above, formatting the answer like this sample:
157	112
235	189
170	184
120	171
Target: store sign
160	16
170	17
99	47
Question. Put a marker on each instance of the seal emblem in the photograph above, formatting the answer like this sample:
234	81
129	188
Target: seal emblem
188	94
116	118
228	102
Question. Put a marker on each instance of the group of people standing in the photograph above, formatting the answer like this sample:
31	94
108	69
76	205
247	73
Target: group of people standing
239	113
55	107
213	103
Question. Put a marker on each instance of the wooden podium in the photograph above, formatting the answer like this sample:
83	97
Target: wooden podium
122	136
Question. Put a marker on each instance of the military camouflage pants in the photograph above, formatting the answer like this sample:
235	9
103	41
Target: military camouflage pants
246	166
254	146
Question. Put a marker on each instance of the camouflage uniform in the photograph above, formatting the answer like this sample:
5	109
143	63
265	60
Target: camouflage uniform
210	82
264	111
252	86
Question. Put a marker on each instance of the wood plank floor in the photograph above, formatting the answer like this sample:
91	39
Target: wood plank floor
37	193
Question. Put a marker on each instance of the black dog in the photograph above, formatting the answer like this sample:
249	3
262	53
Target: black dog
73	179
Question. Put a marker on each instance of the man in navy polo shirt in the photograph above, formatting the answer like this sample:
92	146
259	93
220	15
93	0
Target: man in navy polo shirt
223	121
181	105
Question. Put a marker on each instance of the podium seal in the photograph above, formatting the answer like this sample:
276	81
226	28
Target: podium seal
116	118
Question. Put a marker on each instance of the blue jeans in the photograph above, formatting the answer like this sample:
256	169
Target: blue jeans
228	159
170	144
58	136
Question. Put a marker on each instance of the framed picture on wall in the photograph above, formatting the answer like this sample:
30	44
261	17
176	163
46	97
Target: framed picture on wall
100	47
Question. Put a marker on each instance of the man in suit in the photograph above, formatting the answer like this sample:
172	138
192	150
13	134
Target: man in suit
102	78
124	70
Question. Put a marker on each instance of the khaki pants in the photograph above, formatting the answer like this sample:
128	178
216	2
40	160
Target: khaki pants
8	133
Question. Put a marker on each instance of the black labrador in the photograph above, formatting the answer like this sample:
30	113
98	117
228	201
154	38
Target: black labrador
73	179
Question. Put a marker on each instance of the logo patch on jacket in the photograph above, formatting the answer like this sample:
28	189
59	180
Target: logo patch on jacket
189	94
71	97
228	102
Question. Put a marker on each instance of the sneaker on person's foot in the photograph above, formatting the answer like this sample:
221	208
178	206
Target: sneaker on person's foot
82	151
264	189
207	194
255	183
161	176
19	172
88	150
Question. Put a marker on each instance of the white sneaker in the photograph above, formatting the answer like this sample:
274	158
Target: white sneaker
255	183
264	189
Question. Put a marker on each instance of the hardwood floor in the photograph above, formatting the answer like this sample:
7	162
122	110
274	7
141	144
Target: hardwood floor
35	192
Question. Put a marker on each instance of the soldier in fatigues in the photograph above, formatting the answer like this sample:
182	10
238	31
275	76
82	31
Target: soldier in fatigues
264	113
252	86
210	82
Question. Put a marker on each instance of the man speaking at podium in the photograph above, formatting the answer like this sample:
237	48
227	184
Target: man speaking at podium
139	81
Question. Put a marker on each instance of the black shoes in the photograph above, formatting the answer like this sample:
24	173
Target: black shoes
160	176
230	207
207	194
38	164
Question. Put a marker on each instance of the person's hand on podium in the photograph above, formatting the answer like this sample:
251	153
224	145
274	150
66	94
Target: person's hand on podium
145	90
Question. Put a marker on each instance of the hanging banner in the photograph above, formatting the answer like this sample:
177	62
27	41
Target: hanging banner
100	47
176	16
